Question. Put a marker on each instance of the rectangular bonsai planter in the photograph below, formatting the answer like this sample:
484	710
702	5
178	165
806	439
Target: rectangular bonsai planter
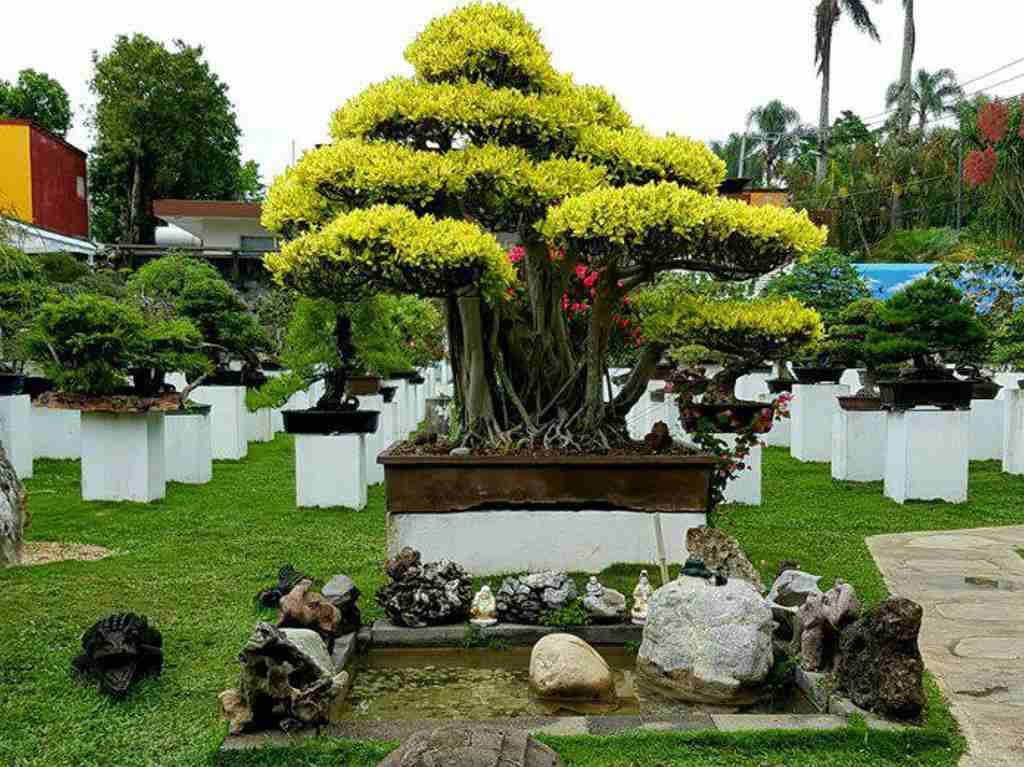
500	514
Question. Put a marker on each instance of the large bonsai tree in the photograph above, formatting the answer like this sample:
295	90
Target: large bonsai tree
922	323
488	139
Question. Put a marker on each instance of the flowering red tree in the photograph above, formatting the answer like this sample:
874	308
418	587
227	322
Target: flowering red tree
996	128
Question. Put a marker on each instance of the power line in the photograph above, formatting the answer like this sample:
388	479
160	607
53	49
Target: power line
965	97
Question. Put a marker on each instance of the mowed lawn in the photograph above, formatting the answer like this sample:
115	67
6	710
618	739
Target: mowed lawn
193	563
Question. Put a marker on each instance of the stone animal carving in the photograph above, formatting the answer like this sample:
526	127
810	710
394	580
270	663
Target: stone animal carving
119	650
694	568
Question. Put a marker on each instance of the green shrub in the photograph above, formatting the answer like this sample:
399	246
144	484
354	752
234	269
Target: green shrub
827	281
916	246
61	268
22	291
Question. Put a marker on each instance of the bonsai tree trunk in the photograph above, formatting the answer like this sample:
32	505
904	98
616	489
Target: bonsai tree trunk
336	379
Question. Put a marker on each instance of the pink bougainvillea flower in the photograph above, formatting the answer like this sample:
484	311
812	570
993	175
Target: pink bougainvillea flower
993	120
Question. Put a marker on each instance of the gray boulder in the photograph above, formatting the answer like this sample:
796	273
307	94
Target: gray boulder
527	598
565	667
707	644
13	513
468	745
604	605
343	593
792	588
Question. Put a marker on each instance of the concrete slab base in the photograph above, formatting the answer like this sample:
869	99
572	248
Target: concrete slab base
858	445
330	470
518	540
811	411
228	437
16	432
123	457
56	433
187	448
926	455
986	425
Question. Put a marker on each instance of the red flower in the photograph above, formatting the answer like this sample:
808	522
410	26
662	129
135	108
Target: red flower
993	120
516	253
980	167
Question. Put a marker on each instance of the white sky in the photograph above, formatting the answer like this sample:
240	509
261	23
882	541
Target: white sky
695	68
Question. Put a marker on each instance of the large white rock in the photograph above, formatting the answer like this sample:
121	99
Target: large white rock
187	448
811	413
123	457
926	455
16	432
858	445
986	423
707	644
56	433
563	666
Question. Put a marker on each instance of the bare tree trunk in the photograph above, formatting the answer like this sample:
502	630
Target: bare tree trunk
906	68
475	387
823	120
135	205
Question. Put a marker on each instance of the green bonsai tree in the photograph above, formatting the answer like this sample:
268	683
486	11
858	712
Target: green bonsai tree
23	290
921	324
826	281
846	342
90	345
193	289
485	138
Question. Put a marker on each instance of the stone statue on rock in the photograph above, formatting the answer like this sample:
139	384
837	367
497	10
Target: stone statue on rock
527	598
431	594
641	598
704	643
287	681
14	516
604	605
721	553
472	745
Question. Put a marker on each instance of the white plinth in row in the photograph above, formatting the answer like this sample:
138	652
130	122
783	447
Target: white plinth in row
188	457
228	422
858	445
330	470
56	433
926	455
811	413
123	457
16	432
746	486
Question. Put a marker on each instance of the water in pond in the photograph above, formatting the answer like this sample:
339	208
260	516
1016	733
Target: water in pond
486	684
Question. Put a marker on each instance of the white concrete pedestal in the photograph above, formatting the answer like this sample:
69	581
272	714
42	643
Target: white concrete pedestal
1013	431
16	432
228	439
858	445
746	487
56	433
811	412
986	422
926	455
531	540
187	448
752	386
330	470
123	457
258	425
781	431
375	442
1008	380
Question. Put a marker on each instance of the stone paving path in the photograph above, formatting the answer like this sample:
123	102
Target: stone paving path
971	585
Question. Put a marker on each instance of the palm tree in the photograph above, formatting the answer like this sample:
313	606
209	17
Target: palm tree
826	15
730	150
777	133
930	94
906	68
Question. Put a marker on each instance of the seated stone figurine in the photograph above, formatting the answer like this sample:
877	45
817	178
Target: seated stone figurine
484	610
641	596
603	604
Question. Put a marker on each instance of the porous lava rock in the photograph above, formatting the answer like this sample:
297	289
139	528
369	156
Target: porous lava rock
526	598
425	594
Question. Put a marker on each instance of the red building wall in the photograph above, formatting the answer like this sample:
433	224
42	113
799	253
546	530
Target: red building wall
59	192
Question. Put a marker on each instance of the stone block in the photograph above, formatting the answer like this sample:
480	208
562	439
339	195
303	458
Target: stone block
746	487
926	455
858	445
123	457
330	470
375	442
228	434
16	432
1013	431
187	448
56	433
986	425
811	410
258	426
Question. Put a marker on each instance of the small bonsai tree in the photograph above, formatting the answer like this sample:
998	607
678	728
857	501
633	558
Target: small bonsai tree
22	291
920	324
827	282
846	342
194	290
90	345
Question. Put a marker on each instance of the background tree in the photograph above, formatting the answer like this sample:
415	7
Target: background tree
486	138
776	134
164	127
826	15
930	94
729	151
23	289
826	282
37	97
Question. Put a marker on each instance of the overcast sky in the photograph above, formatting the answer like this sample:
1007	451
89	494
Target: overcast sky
695	68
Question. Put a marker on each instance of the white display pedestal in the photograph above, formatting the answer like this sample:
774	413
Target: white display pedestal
926	455
56	433
258	426
375	442
187	453
228	438
751	386
177	380
1008	380
851	378
858	445
781	431
123	457
986	422
1013	432
330	470
395	429
811	411
746	487
16	432
408	408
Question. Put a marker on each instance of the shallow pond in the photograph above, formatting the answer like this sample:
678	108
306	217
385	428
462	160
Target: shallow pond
447	683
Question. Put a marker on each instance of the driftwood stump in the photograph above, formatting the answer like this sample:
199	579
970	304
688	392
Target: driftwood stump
14	517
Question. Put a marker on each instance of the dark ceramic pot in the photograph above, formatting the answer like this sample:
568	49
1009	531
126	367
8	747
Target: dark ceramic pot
331	421
388	392
11	384
235	378
36	386
811	375
403	375
947	393
417	380
984	389
860	404
363	386
780	385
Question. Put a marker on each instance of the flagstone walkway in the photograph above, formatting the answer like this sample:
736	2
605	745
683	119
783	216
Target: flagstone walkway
971	585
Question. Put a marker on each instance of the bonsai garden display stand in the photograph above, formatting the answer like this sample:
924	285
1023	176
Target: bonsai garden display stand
123	456
926	455
746	486
187	446
1013	431
377	441
16	432
781	431
399	416
501	514
987	429
812	410
259	425
858	445
330	456
56	433
228	433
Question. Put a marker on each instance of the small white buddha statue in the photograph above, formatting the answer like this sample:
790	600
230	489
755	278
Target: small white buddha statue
484	610
641	596
594	588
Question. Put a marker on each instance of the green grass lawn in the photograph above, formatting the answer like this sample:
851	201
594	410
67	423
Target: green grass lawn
193	563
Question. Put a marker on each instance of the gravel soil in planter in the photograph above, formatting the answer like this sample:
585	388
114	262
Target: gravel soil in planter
947	394
728	418
811	375
331	421
860	404
780	385
111	403
191	409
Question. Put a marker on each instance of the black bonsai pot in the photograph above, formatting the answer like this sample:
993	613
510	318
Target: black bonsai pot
253	379
809	375
403	375
330	421
780	385
984	389
363	386
36	386
944	393
417	380
728	418
11	384
388	392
